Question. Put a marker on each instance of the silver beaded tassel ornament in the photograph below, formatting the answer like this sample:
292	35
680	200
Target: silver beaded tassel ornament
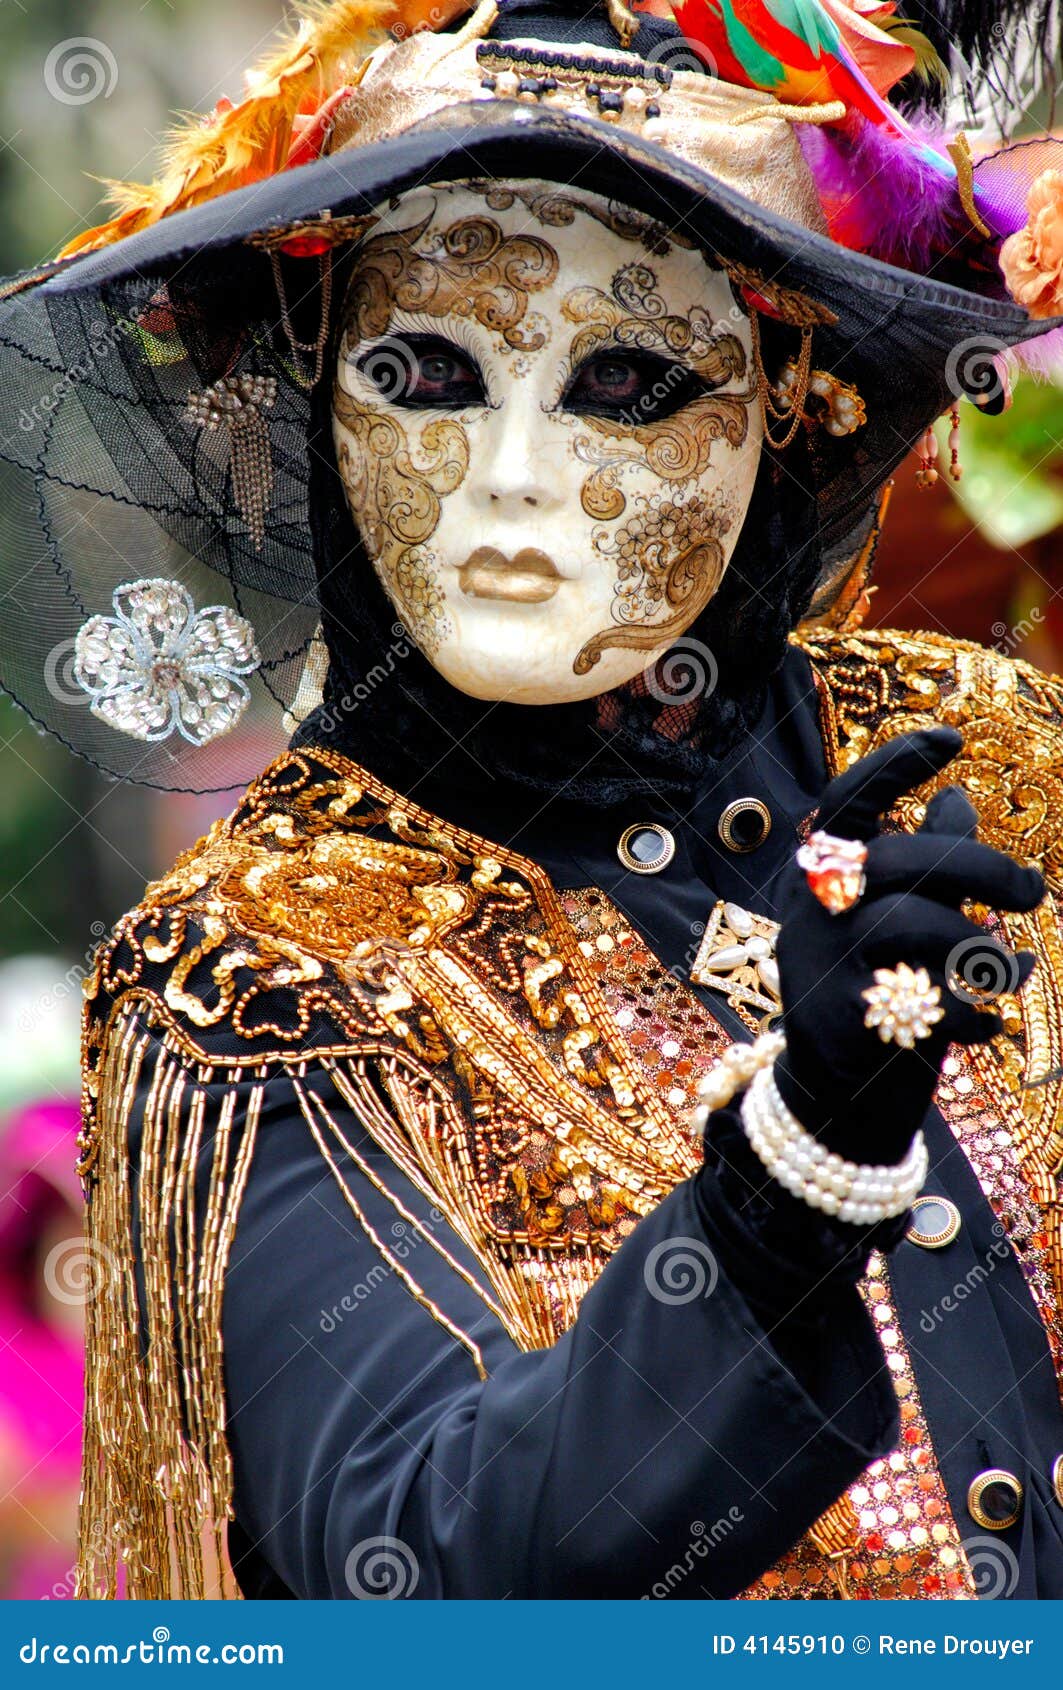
237	403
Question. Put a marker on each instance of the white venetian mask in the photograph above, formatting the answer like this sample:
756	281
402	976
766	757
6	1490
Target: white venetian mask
545	419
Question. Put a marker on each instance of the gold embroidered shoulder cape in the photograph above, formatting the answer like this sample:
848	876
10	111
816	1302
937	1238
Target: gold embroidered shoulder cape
463	1010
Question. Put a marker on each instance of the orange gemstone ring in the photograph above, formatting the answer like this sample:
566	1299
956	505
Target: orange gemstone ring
834	869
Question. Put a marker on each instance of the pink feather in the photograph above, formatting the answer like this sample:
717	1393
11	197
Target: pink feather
1042	357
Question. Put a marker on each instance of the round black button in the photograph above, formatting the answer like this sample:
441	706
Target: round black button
994	1500
744	824
646	848
935	1222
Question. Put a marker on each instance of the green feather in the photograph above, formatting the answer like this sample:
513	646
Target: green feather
763	68
807	19
929	66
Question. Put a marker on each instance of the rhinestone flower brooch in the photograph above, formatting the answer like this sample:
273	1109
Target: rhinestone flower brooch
158	666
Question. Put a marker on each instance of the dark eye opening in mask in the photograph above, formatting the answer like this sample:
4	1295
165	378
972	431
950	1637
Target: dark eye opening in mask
632	386
424	371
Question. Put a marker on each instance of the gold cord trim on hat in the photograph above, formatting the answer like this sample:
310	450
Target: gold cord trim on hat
833	111
476	27
800	310
326	229
960	153
624	21
19	284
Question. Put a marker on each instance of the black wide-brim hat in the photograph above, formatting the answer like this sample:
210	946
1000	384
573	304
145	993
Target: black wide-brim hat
108	473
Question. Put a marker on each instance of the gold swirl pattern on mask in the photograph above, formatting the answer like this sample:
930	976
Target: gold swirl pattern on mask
687	585
666	553
675	448
670	556
600	495
557	210
678	447
396	500
634	314
468	269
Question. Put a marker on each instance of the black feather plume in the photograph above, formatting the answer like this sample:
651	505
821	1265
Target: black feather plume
1010	50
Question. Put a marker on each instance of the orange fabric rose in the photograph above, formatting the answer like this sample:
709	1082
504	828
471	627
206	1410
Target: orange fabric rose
1032	259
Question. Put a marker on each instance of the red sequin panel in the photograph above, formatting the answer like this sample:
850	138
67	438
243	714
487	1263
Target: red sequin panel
991	1150
673	1037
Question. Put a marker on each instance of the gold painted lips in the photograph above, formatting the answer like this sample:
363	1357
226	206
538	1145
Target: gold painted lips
529	577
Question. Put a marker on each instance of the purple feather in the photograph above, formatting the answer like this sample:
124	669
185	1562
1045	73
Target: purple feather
884	197
881	196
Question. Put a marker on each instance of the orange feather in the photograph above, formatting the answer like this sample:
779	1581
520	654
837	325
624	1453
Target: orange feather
262	134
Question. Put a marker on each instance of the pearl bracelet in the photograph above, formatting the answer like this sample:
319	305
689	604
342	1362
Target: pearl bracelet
735	1068
861	1193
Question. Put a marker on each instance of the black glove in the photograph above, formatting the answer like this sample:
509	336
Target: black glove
864	1098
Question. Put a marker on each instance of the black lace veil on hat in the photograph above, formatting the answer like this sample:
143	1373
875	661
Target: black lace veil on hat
172	525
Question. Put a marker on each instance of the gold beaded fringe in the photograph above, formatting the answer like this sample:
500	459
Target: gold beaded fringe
157	1479
157	1474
